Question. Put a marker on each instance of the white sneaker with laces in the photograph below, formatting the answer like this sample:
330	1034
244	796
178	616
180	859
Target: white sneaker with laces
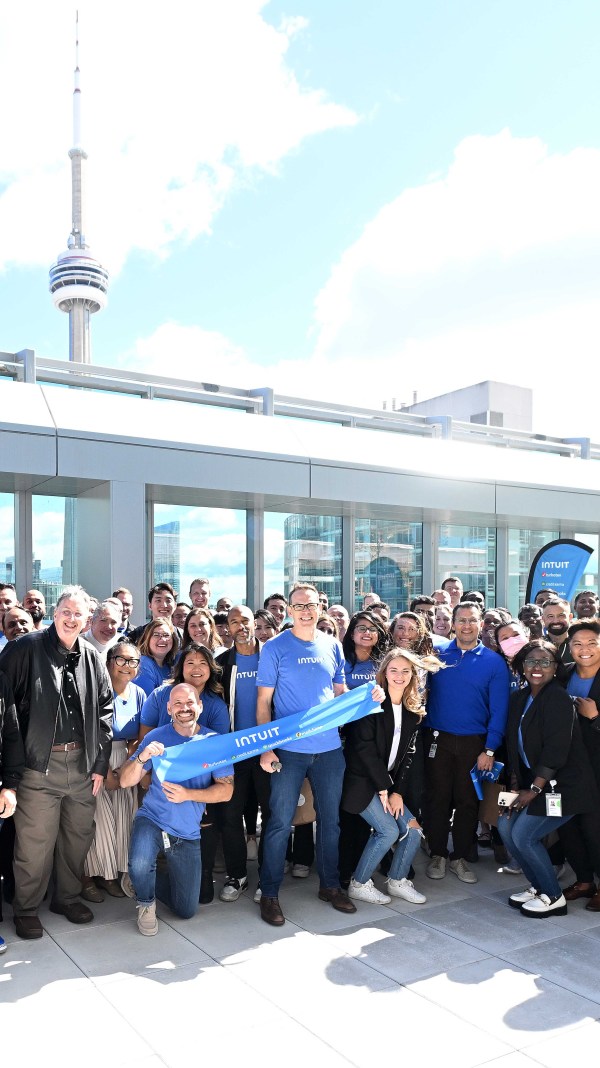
404	888
367	892
257	895
542	905
300	871
233	888
146	921
522	897
436	869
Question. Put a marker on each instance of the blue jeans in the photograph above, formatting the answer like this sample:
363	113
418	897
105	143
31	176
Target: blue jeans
178	886
325	772
522	835
386	831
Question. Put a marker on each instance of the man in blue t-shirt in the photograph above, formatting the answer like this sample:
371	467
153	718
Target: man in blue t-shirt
169	819
298	669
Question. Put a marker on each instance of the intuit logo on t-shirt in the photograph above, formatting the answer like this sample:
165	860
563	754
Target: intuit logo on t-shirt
246	674
311	659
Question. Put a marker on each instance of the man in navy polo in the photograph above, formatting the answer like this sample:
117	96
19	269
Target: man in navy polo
466	719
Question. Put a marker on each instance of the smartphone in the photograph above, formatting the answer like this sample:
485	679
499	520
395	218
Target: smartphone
506	798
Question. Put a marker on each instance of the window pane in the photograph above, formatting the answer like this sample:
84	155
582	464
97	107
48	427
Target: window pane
54	537
7	537
192	543
388	560
523	546
589	579
470	554
303	547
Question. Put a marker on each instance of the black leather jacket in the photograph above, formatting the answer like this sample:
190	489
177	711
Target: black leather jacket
34	668
12	757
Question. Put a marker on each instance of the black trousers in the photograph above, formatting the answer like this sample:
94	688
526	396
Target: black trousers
580	839
228	816
448	786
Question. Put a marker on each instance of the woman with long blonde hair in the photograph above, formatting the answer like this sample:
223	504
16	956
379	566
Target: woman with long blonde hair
378	753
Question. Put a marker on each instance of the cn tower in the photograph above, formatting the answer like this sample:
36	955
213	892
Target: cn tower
78	282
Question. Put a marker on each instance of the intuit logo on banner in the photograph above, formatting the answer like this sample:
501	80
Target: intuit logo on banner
559	565
179	763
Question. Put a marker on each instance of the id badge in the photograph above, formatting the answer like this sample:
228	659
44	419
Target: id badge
433	746
554	804
166	841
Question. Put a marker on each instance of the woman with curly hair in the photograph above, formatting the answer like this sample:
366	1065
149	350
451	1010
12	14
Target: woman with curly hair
159	647
197	667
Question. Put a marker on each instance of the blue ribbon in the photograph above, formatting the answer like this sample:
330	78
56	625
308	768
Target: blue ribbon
204	753
479	776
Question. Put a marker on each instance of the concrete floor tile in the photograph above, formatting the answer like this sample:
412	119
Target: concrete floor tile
122	950
490	926
403	949
513	1004
574	1047
570	961
34	967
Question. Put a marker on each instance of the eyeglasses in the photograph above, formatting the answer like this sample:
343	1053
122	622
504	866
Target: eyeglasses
545	663
312	605
361	629
126	661
68	614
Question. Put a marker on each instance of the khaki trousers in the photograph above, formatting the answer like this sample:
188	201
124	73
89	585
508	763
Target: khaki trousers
54	824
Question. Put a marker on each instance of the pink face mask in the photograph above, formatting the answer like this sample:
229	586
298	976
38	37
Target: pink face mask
511	646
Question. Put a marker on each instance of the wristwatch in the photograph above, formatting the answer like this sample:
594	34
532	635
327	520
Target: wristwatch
489	752
536	789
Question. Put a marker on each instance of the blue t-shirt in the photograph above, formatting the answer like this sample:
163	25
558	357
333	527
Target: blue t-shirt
214	715
578	687
245	691
151	675
302	675
181	820
363	671
126	714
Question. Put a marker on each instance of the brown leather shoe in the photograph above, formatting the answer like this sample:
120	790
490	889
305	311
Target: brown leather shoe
577	890
75	913
270	911
111	886
28	926
336	897
593	904
91	892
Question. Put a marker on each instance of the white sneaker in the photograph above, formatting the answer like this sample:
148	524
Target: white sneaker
367	892
233	888
462	870
512	868
542	905
251	847
146	921
522	898
257	895
404	888
300	871
436	869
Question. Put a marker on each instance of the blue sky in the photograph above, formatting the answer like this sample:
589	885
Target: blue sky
339	199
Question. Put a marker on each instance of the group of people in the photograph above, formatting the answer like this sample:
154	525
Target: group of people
91	707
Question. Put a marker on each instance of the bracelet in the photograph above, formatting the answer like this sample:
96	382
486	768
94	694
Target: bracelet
142	762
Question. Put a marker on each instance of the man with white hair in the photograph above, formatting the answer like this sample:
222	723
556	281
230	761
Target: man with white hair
104	628
64	704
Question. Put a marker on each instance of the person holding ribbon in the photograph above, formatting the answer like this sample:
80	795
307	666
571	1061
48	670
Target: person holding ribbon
299	669
170	817
554	776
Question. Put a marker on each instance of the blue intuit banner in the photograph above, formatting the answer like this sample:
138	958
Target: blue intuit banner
558	566
179	763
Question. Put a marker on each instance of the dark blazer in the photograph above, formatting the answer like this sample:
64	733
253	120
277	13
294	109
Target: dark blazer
553	746
590	729
367	749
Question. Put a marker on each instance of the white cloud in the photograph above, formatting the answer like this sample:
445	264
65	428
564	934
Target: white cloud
179	105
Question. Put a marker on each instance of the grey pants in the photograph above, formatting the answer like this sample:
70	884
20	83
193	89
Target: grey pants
54	824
